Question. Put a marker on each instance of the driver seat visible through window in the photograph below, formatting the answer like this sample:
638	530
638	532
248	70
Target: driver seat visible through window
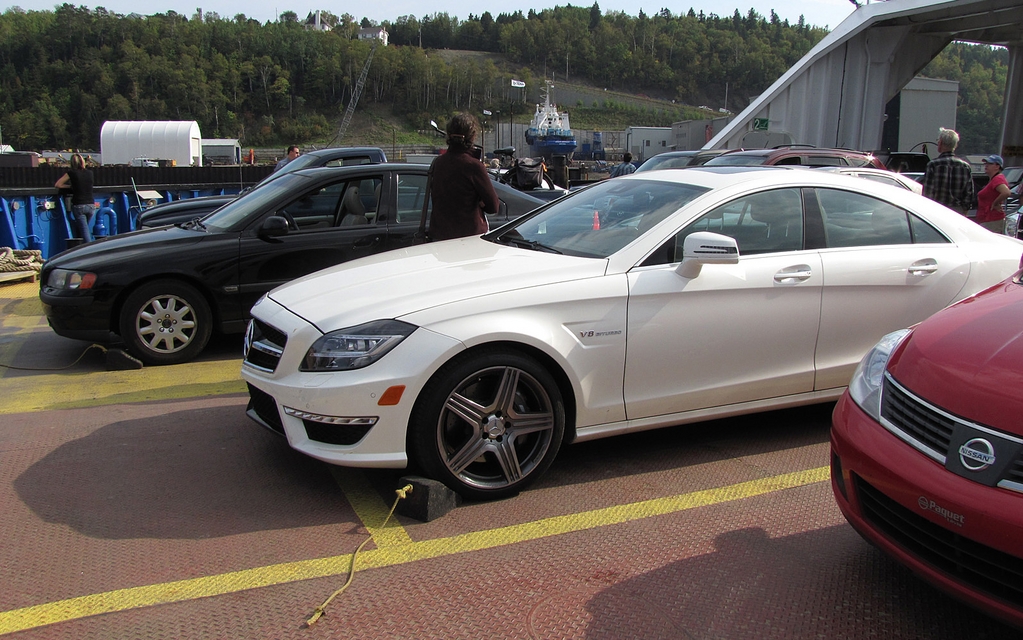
359	203
781	214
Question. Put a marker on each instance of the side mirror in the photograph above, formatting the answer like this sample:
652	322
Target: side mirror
273	227
704	247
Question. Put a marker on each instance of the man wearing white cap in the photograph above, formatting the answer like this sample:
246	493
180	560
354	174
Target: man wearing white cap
990	199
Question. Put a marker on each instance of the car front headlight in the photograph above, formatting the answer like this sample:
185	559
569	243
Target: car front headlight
355	347
66	279
1011	224
865	387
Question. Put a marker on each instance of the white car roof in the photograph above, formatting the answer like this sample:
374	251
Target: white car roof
724	179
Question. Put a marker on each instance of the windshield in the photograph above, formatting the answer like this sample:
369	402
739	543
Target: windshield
300	162
238	212
737	160
1013	174
599	220
667	162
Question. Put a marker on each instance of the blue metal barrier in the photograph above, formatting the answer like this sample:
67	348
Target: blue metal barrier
40	221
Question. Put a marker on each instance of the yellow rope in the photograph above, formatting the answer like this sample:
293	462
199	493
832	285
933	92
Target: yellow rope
319	612
77	360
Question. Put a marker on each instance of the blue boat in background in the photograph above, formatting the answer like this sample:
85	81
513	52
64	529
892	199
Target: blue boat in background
550	134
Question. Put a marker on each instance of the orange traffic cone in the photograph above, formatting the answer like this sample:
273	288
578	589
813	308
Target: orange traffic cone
596	221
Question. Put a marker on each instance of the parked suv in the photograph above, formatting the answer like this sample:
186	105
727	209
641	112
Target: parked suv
806	156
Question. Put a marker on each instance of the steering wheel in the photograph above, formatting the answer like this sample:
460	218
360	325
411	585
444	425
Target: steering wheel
291	220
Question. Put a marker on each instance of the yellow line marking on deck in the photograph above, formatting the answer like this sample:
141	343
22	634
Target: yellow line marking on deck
191	589
370	508
88	389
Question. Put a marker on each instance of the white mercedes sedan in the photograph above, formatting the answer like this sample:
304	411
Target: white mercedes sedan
647	301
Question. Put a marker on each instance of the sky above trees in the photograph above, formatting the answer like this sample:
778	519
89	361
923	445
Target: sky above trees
820	13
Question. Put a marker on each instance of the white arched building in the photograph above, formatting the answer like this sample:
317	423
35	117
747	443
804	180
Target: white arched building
122	141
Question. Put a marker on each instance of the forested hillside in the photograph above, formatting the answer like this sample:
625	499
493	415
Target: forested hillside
64	72
981	72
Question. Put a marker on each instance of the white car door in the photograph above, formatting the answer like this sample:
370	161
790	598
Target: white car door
884	269
735	333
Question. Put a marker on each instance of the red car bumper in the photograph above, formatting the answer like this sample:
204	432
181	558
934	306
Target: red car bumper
963	537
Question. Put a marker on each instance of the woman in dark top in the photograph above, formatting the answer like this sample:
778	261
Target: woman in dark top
83	207
461	188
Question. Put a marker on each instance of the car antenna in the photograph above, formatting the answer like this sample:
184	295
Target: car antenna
138	200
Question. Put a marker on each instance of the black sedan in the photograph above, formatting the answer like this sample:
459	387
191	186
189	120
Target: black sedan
164	291
180	211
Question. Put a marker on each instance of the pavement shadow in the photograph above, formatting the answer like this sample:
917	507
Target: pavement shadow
690	444
42	352
26	342
193	474
806	585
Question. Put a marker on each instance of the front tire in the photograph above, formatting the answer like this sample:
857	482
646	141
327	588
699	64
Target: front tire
166	322
489	424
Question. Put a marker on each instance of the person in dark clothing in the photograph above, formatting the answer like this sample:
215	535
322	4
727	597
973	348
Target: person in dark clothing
461	188
292	153
83	206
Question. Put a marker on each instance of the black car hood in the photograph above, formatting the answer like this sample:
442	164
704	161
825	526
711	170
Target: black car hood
183	210
150	244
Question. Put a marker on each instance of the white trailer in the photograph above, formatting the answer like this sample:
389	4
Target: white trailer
221	151
124	141
644	142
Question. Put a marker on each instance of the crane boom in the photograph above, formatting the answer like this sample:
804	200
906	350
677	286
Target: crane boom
356	94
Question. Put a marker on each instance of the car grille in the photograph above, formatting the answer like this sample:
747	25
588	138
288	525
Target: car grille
264	346
929	429
979	566
1015	473
265	408
921	422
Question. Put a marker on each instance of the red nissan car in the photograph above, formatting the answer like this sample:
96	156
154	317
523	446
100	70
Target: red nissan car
927	449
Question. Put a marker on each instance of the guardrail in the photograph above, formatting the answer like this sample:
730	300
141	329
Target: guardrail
40	221
35	216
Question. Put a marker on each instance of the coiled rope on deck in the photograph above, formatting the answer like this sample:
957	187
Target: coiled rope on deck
20	260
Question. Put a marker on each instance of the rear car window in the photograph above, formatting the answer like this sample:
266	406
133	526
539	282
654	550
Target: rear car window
857	220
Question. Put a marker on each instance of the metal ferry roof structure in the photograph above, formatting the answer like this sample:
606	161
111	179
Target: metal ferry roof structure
835	96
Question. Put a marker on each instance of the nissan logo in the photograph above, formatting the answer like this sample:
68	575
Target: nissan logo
977	454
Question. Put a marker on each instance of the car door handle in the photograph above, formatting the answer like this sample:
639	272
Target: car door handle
924	267
789	275
367	242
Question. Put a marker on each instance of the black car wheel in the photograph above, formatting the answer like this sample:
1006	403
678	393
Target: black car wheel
166	322
489	424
